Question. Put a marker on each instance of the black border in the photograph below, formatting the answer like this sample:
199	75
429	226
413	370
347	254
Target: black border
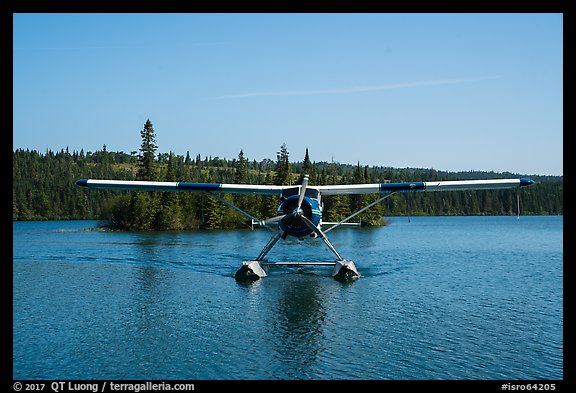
9	7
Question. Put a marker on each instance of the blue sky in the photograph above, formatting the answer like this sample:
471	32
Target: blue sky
452	92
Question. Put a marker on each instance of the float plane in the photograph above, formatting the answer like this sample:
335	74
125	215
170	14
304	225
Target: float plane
300	209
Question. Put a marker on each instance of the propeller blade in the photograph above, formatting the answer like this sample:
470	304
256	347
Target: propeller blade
313	227
274	219
303	190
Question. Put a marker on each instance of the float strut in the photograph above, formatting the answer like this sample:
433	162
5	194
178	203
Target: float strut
253	270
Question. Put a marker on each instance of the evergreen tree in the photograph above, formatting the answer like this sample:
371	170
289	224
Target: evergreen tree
169	214
357	201
145	204
241	172
374	215
269	204
337	208
244	202
307	169
283	168
146	167
322	177
144	208
213	213
118	213
140	211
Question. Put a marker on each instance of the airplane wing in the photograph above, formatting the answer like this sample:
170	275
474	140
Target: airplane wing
384	188
376	188
135	185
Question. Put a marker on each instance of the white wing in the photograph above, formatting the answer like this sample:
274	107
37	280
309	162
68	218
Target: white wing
383	188
377	188
135	185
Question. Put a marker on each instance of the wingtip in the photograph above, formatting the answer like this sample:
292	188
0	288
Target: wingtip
525	182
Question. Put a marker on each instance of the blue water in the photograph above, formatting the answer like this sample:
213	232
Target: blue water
439	298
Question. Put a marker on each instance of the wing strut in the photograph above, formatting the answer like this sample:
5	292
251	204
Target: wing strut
260	222
359	211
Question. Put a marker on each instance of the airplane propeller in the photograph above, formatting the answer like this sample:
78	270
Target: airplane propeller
297	212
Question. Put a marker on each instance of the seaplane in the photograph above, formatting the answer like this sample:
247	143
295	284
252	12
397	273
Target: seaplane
300	210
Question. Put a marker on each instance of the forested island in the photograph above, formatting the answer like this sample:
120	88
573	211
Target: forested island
44	189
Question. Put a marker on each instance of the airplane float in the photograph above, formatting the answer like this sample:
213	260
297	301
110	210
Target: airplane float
300	209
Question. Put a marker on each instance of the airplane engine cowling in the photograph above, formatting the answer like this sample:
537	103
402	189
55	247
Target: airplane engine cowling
294	225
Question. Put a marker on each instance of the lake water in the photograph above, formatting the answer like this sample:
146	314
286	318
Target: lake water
439	298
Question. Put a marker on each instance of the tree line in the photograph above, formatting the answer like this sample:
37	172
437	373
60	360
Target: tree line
44	189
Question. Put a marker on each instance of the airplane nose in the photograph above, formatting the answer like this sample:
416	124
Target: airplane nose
298	212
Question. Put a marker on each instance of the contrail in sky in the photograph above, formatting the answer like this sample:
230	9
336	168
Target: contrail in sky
360	89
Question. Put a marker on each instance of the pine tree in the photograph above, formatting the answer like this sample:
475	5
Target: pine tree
283	168
357	201
374	215
269	203
213	213
241	173
244	202
307	169
146	167
337	208
169	214
138	211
